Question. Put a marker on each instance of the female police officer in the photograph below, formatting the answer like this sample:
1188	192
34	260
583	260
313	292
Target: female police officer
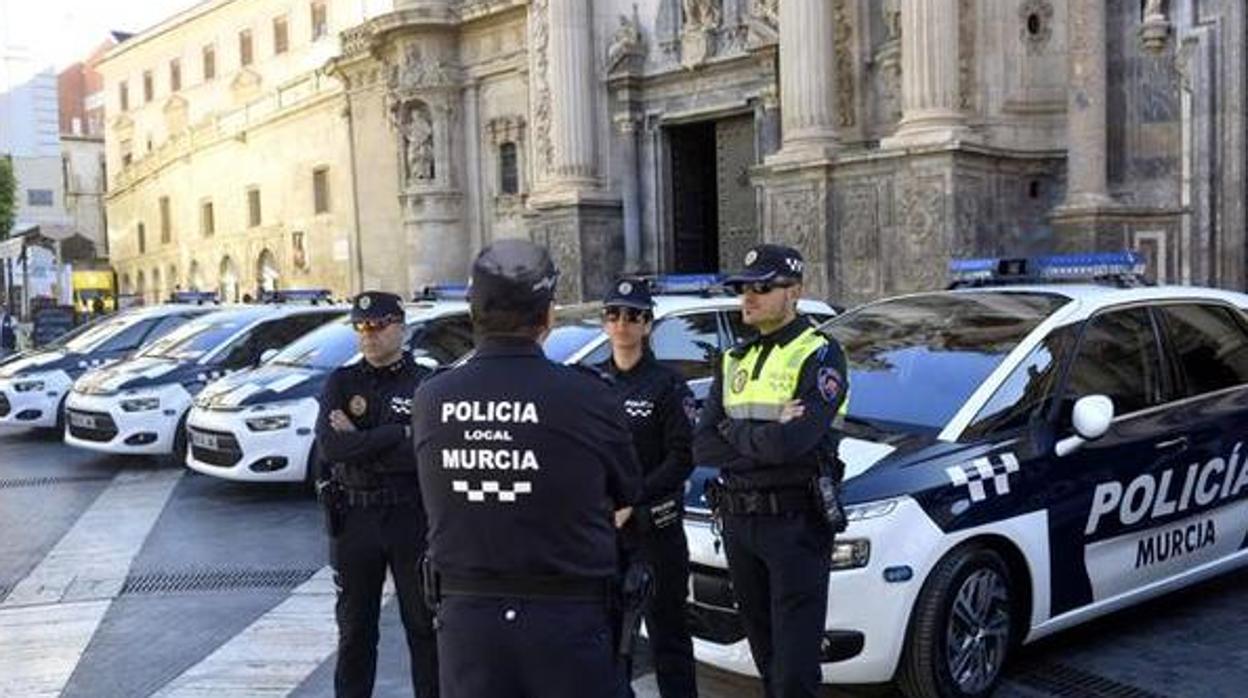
660	410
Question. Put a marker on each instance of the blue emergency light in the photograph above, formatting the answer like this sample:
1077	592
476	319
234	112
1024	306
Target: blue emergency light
443	292
1124	268
193	297
686	283
297	295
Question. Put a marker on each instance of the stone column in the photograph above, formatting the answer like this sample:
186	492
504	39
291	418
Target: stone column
571	81
807	80
929	75
627	126
1086	179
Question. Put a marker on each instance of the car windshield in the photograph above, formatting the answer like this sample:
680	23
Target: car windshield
194	339
914	361
86	338
326	348
575	327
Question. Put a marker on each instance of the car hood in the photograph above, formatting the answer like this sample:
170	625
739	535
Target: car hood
143	372
72	363
262	385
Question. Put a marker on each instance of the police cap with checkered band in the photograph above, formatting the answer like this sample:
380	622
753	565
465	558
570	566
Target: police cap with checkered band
512	274
376	306
767	263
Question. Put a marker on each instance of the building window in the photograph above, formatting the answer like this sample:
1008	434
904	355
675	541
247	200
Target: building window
508	170
123	95
142	239
39	197
166	225
175	75
207	226
210	62
320	23
253	207
127	152
281	38
320	190
149	89
244	47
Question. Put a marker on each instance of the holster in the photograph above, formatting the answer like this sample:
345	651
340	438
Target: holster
636	588
826	490
332	496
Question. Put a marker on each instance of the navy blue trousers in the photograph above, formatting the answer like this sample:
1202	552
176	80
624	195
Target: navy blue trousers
667	629
779	570
524	648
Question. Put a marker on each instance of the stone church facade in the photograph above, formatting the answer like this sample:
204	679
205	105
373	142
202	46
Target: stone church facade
881	137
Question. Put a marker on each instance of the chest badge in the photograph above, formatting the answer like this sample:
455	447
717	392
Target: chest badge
739	379
357	406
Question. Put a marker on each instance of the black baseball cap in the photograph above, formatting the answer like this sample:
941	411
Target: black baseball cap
375	306
514	274
629	293
767	262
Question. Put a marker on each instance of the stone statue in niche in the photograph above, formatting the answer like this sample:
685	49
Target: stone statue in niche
1155	30
418	149
626	42
701	14
892	20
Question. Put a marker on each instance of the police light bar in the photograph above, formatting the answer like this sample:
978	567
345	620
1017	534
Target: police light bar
286	295
193	297
686	283
1121	266
443	292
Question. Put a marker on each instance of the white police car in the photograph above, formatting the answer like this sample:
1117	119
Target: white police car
139	406
257	425
695	320
34	385
1019	459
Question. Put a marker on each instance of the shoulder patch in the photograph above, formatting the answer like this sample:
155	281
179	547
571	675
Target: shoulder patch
831	383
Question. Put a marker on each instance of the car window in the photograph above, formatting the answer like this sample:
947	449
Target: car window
1209	345
1028	390
1118	357
166	325
326	348
600	353
274	334
128	339
687	343
575	328
443	339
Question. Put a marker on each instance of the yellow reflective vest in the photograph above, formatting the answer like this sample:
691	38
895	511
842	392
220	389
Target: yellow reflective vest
751	392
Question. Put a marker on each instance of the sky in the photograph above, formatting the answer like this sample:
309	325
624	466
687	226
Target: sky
61	32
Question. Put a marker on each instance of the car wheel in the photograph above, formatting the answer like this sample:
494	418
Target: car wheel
180	445
60	416
962	628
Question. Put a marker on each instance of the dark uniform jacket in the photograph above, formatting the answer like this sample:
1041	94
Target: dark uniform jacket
379	403
522	464
757	454
660	412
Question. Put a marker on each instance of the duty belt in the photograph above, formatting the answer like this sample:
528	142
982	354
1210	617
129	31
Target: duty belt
764	502
365	499
563	588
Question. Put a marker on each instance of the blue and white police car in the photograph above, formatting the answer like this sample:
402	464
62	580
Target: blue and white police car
1020	457
35	384
257	425
695	320
139	406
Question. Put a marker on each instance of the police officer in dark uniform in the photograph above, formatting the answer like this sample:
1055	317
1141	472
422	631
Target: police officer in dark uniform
769	424
375	514
660	411
526	468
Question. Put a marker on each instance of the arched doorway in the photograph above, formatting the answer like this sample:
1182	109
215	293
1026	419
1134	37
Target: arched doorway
195	277
158	289
228	285
140	287
268	278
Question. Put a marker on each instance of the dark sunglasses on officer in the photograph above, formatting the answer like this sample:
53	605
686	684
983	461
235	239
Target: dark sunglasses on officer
762	288
616	313
377	325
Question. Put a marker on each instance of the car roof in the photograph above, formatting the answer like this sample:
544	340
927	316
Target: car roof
1093	297
669	304
251	313
418	311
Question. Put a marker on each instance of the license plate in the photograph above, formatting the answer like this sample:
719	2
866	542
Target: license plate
83	421
208	441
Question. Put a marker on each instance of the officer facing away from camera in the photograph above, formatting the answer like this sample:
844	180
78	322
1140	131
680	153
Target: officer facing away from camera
372	497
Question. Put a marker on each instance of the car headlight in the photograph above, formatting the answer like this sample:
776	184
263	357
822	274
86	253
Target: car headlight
140	404
870	510
28	386
269	423
851	553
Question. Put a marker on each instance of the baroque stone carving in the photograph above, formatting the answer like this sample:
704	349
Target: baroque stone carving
625	43
762	23
1036	19
796	219
892	20
418	144
843	54
539	31
701	18
967	87
1155	31
859	228
418	72
921	214
505	129
701	14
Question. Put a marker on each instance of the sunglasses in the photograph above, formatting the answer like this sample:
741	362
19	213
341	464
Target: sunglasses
366	326
631	315
762	288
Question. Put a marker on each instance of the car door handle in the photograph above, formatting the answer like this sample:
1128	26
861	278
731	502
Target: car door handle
1178	444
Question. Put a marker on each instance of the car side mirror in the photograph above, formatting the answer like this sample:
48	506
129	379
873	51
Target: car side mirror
267	354
1091	419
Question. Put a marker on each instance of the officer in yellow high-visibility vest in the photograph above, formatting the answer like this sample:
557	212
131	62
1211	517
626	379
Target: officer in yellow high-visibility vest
769	424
